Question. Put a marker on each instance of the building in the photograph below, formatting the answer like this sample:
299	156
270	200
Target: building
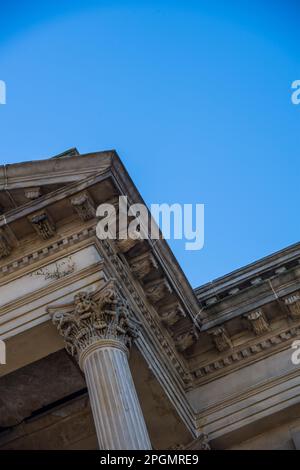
210	367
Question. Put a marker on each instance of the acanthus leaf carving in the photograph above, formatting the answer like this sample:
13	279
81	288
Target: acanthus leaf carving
185	340
258	322
104	315
221	338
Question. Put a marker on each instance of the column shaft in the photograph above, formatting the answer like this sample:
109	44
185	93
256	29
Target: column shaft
117	413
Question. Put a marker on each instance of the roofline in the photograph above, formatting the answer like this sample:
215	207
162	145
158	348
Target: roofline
267	262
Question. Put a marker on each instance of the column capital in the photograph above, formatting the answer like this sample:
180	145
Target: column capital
95	317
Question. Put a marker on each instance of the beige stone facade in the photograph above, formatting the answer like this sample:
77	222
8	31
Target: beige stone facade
107	344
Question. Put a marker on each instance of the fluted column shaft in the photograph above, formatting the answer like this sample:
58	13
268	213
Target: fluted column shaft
116	410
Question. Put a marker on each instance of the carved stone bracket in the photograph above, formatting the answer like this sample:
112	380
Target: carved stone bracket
43	224
143	265
221	338
84	206
157	290
185	340
258	322
171	314
293	304
103	315
5	248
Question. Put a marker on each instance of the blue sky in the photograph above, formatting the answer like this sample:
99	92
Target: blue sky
195	96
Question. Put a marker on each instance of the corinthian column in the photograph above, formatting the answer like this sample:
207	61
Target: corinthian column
98	331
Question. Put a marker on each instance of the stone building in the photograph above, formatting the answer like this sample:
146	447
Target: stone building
107	344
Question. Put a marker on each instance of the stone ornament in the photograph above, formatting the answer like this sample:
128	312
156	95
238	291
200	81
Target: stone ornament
143	265
221	338
43	224
102	316
258	322
84	206
293	304
185	340
157	290
171	314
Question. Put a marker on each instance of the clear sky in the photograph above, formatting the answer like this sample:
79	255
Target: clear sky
194	95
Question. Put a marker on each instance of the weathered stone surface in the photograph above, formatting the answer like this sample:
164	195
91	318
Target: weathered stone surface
65	427
37	385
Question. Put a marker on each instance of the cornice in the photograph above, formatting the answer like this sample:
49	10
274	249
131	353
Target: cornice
248	353
249	299
249	276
